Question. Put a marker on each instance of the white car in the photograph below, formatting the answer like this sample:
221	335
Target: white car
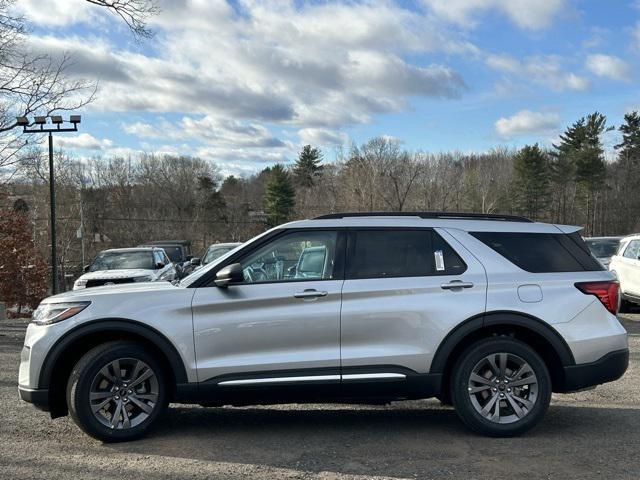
625	264
127	265
216	250
490	313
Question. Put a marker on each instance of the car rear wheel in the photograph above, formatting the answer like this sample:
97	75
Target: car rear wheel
501	387
116	392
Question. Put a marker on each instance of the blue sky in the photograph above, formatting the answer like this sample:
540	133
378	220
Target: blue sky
246	83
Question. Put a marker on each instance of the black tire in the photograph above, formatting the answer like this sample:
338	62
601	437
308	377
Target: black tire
80	383
462	399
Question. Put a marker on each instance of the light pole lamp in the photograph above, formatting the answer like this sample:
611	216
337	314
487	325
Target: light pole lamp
40	125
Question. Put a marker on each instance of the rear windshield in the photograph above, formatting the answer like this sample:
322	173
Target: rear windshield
603	247
542	252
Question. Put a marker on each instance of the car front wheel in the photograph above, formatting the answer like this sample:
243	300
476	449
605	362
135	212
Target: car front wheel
116	392
500	387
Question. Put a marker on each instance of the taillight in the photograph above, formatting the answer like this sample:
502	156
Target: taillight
607	293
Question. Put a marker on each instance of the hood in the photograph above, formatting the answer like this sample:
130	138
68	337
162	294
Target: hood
123	273
87	293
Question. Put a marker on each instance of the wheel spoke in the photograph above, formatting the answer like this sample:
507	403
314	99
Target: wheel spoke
116	415
107	374
148	373
503	364
531	380
492	364
490	404
516	408
115	365
480	379
523	401
481	388
143	406
525	368
96	408
496	412
125	415
99	395
136	370
152	397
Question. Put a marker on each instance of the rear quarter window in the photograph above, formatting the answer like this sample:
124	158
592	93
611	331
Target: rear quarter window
542	252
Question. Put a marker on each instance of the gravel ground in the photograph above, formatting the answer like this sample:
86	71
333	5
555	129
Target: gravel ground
592	434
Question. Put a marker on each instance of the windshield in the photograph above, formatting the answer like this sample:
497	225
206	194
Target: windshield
215	252
123	260
603	248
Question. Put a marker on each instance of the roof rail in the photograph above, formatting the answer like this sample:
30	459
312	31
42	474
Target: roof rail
444	215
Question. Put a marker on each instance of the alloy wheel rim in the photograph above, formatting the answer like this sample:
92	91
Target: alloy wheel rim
503	388
124	393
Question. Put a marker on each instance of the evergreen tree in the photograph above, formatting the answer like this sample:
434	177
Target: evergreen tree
531	167
279	196
307	167
629	148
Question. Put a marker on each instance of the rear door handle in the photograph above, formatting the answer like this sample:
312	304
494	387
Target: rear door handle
452	285
310	293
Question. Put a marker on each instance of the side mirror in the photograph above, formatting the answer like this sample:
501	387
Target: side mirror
229	275
195	261
159	265
85	269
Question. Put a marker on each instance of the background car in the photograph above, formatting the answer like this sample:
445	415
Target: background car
603	248
127	265
179	251
626	266
217	250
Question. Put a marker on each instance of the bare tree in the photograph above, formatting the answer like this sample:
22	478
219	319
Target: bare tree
135	13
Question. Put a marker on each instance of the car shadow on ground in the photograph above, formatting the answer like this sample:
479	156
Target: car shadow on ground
391	441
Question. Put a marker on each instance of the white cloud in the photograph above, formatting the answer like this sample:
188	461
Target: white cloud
609	66
322	137
526	122
528	14
546	70
83	141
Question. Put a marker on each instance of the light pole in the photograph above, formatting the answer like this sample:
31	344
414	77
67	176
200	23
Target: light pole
39	125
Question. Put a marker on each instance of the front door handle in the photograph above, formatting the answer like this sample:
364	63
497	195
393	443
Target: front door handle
454	284
310	293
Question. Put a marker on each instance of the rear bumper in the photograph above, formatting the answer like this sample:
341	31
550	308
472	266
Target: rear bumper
608	368
38	397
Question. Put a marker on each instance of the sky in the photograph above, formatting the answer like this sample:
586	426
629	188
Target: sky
246	83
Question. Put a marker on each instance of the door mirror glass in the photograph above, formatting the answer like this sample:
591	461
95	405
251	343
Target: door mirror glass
229	275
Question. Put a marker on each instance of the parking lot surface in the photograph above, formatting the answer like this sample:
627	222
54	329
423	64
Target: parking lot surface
593	434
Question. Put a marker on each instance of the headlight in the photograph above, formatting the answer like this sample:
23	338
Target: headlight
146	278
48	313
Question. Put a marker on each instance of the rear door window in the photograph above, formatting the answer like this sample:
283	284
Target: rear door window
401	253
542	252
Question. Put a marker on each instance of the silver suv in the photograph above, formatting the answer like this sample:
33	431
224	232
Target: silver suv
489	313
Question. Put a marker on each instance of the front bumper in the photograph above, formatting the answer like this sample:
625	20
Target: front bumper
608	368
38	397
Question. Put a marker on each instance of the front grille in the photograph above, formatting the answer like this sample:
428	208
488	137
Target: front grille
104	281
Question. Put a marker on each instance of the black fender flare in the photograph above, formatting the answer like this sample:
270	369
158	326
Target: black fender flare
500	318
124	325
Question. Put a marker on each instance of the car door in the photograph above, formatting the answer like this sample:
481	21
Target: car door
627	268
279	325
404	291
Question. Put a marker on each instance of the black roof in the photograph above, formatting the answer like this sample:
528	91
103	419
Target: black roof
443	215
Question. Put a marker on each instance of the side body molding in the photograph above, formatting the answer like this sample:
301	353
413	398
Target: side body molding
500	319
113	325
